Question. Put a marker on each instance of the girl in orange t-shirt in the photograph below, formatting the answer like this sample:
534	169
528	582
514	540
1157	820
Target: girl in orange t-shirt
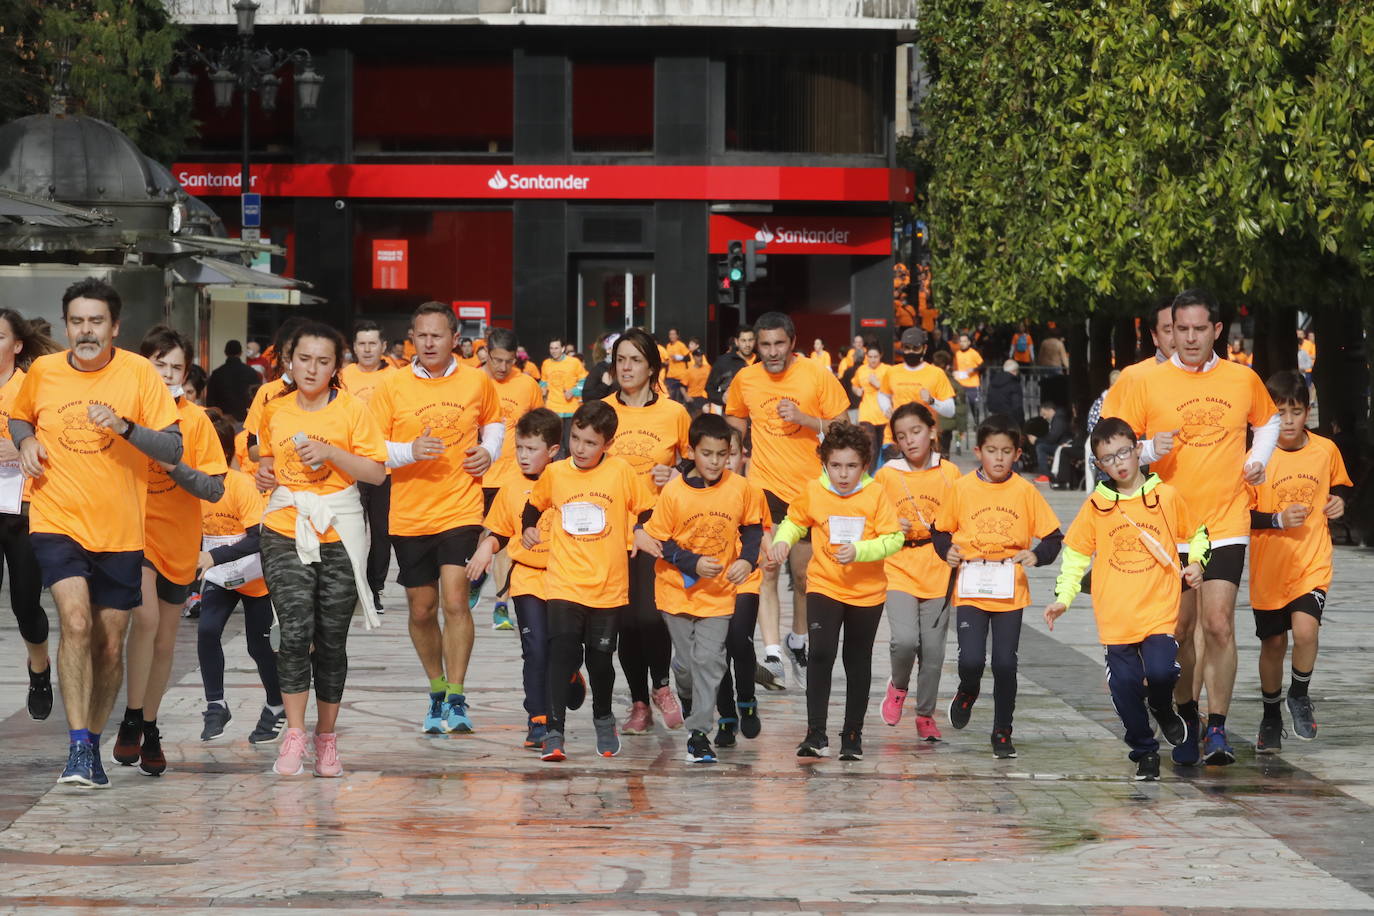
854	528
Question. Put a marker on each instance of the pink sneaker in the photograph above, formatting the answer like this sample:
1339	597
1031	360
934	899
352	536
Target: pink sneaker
291	757
327	756
927	730
892	704
668	706
640	721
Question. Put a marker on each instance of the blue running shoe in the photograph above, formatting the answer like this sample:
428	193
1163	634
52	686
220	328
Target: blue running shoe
434	718
79	766
1216	750
475	591
500	617
98	778
1186	753
456	714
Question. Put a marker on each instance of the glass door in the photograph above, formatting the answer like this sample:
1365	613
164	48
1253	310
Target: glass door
612	296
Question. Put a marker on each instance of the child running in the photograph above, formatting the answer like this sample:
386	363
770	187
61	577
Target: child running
1291	558
985	529
917	579
705	531
855	527
588	580
1133	524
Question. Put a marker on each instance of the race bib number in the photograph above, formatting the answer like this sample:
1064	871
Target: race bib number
846	529
961	374
11	489
235	573
981	579
584	518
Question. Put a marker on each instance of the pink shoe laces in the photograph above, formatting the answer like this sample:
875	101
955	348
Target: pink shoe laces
327	751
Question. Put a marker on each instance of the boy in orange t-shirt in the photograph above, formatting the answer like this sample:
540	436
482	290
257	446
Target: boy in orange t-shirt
595	497
1290	549
705	531
984	529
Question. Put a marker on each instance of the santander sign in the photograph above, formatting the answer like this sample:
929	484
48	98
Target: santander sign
518	182
784	234
802	236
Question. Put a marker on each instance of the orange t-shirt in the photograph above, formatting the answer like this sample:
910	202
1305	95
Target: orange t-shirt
531	370
679	358
428	497
588	560
234	516
1023	356
361	384
648	436
1134	595
995	521
562	375
870	410
967	367
1119	394
266	392
1210	411
344	423
94	483
918	495
1287	563
817	507
904	384
8	392
246	464
172	510
694	378
784	456
821	358
527	566
705	521
518	394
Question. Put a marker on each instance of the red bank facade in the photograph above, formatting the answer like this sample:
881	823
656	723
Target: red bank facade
576	181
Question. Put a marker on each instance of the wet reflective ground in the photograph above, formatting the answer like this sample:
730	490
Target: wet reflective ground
476	822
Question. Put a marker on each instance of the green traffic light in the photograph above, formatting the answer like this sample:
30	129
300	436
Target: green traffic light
736	274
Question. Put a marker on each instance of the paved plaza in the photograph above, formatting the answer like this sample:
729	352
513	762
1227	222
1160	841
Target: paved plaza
477	823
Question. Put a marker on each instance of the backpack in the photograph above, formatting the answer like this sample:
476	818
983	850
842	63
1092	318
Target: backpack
1020	343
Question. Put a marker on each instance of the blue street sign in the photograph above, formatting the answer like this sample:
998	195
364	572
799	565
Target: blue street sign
251	211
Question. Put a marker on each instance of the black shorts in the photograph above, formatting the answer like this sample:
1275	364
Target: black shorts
114	578
1227	563
167	590
418	557
594	627
777	511
1276	623
488	497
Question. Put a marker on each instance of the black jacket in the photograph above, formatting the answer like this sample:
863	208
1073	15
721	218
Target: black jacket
1004	395
723	372
230	387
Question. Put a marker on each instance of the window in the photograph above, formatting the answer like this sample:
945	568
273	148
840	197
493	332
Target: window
613	105
461	105
805	102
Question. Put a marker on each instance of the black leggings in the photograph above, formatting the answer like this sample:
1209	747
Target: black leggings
972	626
826	617
216	604
571	628
739	646
875	435
377	506
646	649
533	616
26	581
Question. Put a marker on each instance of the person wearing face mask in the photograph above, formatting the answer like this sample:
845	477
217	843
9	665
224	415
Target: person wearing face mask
915	380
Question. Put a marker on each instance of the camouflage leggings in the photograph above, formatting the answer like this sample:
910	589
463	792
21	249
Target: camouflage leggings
314	605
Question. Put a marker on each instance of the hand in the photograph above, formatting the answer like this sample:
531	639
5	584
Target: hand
477	462
32	456
778	552
955	555
906	526
1335	507
313	451
709	568
925	397
845	553
873	380
481	559
1254	473
1025	558
204	561
1192	575
266	477
1293	516
643	541
167	467
8	452
1164	442
790	412
101	415
426	447
567	394
530	538
738	572
1056	610
663	473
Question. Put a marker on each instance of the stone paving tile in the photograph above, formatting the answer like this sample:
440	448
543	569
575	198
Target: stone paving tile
475	822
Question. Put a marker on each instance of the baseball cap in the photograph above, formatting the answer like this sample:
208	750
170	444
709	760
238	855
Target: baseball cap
913	338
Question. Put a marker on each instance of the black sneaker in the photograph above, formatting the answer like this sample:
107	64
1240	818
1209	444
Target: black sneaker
699	749
725	733
151	760
749	723
1002	748
1304	717
577	690
216	716
269	727
1270	740
1171	725
961	707
1147	768
127	741
815	744
377	603
851	745
40	693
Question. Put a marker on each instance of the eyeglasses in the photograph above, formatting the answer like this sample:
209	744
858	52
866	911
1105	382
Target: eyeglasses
1116	457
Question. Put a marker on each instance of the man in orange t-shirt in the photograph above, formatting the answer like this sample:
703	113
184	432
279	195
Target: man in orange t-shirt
361	379
787	401
676	358
86	421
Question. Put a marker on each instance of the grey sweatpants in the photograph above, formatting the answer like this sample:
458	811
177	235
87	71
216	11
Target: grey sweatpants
700	643
918	628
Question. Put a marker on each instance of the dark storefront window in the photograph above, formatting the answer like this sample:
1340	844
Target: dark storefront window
221	131
447	255
805	102
459	105
613	106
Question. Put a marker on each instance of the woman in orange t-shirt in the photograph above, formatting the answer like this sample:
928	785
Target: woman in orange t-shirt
316	440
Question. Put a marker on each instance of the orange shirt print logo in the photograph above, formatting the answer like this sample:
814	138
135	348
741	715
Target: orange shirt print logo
640	449
991	532
159	481
1295	490
292	470
81	435
445	421
709	539
1201	424
775	424
1128	552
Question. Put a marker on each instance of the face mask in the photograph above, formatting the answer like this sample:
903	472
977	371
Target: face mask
911	358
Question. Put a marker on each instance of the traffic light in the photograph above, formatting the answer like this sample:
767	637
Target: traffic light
735	259
725	287
755	261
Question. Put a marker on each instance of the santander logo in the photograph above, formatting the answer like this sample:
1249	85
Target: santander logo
518	182
498	182
764	235
803	236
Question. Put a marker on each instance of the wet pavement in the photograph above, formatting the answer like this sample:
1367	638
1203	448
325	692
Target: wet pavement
476	822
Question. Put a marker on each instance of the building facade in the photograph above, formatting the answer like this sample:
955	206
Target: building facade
570	168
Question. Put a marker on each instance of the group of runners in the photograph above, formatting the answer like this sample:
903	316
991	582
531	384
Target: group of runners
622	525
